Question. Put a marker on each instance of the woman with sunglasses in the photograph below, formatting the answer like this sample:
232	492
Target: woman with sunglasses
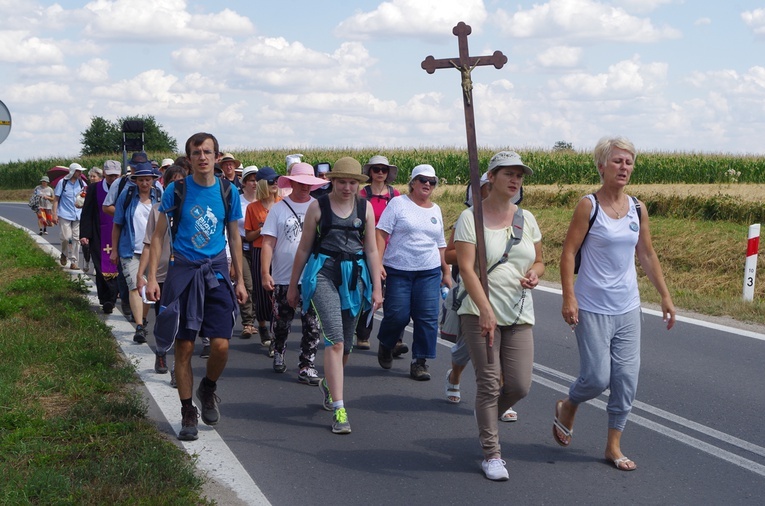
267	194
378	193
410	238
503	321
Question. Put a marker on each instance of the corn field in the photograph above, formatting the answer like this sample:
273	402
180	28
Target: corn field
550	167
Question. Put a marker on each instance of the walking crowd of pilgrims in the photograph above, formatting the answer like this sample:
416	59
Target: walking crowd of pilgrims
208	242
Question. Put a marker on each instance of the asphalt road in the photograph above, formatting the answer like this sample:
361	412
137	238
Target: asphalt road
695	432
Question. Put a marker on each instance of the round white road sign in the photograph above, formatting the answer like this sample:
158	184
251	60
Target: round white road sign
5	122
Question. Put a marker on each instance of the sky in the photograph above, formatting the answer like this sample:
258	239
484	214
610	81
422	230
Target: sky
671	75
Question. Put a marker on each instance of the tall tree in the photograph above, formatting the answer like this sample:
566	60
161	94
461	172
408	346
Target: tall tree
155	137
105	137
102	136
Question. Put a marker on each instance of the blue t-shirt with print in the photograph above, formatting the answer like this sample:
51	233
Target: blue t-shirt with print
201	229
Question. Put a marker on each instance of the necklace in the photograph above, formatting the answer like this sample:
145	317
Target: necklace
618	214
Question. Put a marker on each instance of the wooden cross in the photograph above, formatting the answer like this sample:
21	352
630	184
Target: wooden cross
465	64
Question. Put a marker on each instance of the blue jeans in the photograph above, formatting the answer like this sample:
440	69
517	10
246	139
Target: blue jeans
414	294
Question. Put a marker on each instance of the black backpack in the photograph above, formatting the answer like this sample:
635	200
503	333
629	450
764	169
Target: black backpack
325	222
369	196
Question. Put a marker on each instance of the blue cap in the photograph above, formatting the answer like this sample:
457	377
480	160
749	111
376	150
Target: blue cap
267	173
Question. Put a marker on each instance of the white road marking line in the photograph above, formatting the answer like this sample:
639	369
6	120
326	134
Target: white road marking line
711	449
660	413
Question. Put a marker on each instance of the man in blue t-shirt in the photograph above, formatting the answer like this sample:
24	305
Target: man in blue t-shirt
198	296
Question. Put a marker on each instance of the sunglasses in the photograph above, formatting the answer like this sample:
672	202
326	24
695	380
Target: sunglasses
384	170
426	180
273	181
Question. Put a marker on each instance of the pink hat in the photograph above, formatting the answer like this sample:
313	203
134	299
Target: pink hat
301	173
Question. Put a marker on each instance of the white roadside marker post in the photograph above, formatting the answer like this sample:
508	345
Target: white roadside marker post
750	269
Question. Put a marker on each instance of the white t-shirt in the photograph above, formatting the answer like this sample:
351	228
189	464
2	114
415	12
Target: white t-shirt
244	203
505	280
416	234
140	217
287	228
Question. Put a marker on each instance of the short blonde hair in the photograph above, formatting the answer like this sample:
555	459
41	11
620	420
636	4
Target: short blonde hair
607	144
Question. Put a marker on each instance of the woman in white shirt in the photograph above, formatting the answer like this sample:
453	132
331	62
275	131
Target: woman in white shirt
410	238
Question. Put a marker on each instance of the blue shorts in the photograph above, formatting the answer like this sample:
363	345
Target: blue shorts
219	315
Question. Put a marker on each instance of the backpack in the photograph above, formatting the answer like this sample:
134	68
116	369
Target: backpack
578	257
369	196
179	197
325	222
34	202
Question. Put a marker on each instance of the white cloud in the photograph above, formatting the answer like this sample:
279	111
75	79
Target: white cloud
582	20
156	20
642	5
623	80
276	65
412	18
44	92
755	20
749	84
93	71
702	22
560	56
18	46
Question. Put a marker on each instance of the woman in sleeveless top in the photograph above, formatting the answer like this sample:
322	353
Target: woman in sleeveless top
603	305
341	278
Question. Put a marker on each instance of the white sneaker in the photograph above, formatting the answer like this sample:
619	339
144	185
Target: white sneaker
494	469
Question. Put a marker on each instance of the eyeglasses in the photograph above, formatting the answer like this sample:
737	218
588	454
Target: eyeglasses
384	170
426	180
273	181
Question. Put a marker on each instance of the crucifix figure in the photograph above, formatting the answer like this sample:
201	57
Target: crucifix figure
465	64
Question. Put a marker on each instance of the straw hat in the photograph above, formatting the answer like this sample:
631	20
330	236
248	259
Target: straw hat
347	168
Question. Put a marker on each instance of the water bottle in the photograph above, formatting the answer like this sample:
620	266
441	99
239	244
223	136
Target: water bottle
444	292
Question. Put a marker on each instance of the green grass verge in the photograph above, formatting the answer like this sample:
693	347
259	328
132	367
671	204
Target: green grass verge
73	429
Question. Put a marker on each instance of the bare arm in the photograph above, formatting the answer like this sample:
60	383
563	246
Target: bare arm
446	271
54	211
114	256
450	255
537	269
235	247
266	254
577	230
466	257
373	259
157	240
381	236
649	261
